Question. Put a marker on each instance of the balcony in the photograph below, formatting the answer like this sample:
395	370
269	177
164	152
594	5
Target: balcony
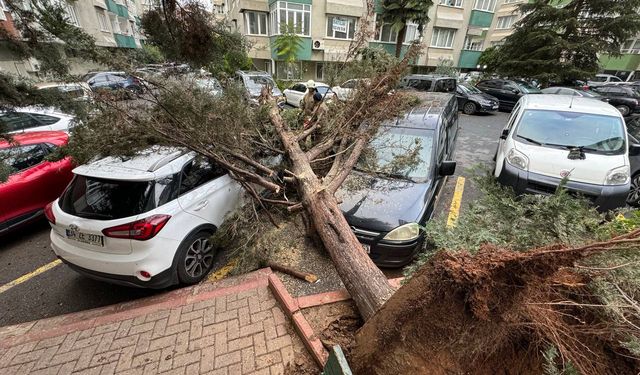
626	62
118	9
449	17
125	41
480	18
469	59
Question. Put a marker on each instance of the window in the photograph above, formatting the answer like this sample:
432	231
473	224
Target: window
385	33
452	3
319	71
471	44
631	46
22	157
44	119
442	38
297	15
505	22
486	5
3	8
341	27
197	173
72	16
256	23
16	121
102	19
115	25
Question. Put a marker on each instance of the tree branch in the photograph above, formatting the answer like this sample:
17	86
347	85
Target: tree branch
318	149
348	165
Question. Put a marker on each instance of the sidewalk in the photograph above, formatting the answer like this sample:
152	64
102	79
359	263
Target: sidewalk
234	326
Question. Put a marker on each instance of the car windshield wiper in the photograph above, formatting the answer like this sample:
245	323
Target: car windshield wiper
531	140
396	176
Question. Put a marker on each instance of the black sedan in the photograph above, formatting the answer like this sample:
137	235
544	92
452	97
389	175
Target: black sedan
472	100
391	194
633	129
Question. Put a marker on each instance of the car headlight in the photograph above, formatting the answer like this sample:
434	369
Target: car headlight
406	232
618	176
518	159
484	102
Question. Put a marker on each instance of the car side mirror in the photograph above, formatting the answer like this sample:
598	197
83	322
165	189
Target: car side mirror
505	134
634	149
447	168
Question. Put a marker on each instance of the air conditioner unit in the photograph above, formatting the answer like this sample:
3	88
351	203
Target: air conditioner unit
317	44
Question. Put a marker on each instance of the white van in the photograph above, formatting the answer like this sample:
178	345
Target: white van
550	137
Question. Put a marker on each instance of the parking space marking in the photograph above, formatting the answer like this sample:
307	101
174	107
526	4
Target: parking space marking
30	275
222	272
454	210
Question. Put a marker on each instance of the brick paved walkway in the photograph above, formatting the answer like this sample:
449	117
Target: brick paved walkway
231	327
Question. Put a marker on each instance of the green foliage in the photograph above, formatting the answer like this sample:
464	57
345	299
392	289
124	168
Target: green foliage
401	12
491	58
288	44
562	43
551	366
148	54
186	32
447	67
372	62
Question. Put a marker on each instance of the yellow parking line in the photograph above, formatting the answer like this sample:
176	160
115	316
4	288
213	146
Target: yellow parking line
222	272
454	210
30	275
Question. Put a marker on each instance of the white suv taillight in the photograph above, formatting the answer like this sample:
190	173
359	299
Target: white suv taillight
141	230
48	213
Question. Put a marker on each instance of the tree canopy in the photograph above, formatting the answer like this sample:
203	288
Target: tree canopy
561	43
401	12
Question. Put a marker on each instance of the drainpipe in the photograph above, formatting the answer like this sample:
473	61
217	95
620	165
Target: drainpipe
273	67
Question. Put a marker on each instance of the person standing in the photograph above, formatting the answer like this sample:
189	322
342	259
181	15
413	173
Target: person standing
308	103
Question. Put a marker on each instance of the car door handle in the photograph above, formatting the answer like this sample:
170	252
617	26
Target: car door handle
201	205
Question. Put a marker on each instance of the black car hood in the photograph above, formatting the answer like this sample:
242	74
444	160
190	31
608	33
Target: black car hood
382	204
483	96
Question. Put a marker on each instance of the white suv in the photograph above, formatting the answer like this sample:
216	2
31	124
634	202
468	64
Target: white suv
145	221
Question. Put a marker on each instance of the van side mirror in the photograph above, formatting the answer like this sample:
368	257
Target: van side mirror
634	149
447	168
505	134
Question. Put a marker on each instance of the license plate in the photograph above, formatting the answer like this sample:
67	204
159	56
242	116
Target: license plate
91	239
366	248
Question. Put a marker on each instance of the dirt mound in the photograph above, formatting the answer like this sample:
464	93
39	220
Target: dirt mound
491	313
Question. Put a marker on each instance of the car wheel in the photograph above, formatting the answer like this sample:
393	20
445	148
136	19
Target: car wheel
624	110
195	258
633	199
469	108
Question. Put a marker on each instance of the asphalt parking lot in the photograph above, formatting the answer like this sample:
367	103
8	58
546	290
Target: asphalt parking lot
34	285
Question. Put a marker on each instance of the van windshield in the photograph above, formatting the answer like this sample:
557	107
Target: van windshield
591	132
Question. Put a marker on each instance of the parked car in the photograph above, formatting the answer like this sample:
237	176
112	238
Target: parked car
33	181
507	91
584	93
472	100
209	84
386	203
143	221
603	79
346	89
552	137
633	132
30	119
79	91
429	83
113	81
254	81
624	98
294	94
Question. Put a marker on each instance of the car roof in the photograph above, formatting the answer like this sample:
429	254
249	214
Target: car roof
429	76
253	72
57	138
426	114
146	165
317	84
39	110
568	103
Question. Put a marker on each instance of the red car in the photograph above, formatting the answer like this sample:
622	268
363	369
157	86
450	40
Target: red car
34	181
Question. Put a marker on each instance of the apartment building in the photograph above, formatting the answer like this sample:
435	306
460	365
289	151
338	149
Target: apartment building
459	30
113	24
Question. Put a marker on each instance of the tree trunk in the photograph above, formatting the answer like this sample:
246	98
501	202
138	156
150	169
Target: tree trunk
400	40
367	285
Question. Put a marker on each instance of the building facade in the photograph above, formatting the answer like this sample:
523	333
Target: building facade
459	31
113	24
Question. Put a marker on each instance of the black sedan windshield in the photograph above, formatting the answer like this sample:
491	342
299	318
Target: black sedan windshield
468	89
401	153
596	133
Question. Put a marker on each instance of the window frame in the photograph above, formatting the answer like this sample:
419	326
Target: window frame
259	28
103	22
478	5
379	26
456	3
72	14
352	25
513	19
435	33
3	8
276	9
